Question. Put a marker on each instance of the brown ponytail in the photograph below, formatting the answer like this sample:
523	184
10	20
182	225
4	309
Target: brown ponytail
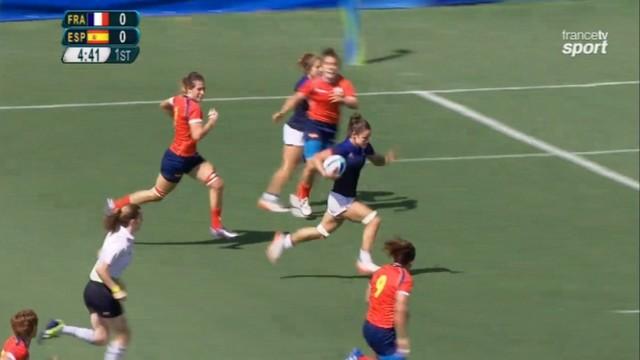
400	250
306	61
121	217
358	124
24	323
188	82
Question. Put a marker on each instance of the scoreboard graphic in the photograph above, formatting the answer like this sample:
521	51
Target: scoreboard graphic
100	37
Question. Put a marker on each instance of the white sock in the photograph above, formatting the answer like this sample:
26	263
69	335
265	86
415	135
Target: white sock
270	197
288	244
114	352
81	333
365	256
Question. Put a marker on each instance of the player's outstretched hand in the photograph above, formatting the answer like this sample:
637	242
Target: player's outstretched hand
390	157
277	116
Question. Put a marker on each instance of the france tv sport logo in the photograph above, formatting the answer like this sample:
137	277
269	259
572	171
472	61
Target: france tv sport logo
584	42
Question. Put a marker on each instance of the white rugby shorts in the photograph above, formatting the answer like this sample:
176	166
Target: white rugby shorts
291	136
337	204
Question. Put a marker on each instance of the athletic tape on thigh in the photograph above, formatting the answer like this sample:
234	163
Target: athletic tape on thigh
322	230
211	178
161	194
367	219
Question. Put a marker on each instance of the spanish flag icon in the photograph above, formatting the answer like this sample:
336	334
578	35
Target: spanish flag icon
97	36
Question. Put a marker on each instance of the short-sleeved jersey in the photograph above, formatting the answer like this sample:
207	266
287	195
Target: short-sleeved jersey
186	111
15	349
117	252
317	92
299	118
356	157
385	286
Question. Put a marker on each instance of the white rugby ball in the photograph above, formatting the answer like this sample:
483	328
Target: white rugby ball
335	164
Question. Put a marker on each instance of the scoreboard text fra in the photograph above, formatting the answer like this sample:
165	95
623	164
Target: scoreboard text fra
100	18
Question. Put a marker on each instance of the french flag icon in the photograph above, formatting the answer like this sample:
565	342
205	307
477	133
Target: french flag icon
98	19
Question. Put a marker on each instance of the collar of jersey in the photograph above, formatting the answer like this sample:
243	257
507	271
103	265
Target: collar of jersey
124	231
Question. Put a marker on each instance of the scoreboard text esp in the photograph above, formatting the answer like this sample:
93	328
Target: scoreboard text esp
100	37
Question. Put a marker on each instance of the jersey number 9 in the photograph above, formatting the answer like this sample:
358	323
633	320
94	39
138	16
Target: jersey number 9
380	284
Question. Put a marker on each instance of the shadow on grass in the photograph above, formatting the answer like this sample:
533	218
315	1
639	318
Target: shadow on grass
246	237
414	272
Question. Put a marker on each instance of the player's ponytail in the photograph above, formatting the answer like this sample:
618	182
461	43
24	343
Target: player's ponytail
188	82
306	61
121	217
358	124
24	324
401	251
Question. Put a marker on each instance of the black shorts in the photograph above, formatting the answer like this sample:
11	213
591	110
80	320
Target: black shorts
98	299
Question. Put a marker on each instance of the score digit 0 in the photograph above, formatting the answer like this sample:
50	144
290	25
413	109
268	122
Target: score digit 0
125	36
125	18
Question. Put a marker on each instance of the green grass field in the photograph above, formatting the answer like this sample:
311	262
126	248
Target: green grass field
518	257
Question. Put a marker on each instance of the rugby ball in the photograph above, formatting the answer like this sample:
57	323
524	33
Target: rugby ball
335	164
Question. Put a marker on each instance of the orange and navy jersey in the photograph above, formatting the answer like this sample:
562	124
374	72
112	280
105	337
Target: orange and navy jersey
186	111
15	349
385	286
317	92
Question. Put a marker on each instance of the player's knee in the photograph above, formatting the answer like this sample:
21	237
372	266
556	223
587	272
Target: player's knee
323	230
285	171
100	338
214	181
372	219
124	337
287	168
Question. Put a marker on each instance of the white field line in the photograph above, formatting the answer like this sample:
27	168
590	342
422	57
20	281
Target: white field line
514	156
541	87
375	93
626	311
530	140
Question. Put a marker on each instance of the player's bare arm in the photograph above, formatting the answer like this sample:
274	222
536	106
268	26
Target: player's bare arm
401	318
382	160
167	107
291	102
102	270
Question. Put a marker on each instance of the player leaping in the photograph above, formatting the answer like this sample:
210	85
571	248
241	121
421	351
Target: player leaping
182	157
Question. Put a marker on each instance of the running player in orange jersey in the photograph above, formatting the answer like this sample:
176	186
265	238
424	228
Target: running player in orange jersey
293	137
385	328
182	156
24	325
325	95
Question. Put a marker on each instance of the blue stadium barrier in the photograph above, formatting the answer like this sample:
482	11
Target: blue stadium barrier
20	10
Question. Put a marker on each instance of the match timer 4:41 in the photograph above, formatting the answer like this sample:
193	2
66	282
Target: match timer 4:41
100	55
